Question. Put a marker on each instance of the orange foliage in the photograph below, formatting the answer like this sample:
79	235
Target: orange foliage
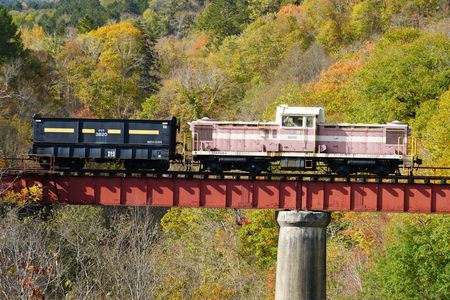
70	50
290	10
200	43
366	229
369	46
332	79
271	281
85	113
330	90
29	281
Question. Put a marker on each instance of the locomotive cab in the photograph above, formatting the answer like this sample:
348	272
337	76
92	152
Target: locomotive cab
300	117
300	126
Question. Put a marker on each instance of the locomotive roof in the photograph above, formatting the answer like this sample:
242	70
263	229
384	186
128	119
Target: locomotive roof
284	110
287	110
254	123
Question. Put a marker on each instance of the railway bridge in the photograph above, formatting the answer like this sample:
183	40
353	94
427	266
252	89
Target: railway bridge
304	201
362	193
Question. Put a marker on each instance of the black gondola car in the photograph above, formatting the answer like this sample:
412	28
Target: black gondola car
139	144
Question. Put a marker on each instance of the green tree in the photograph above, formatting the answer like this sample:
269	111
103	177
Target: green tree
223	18
86	24
406	68
10	44
149	79
259	238
177	17
416	261
259	8
366	18
70	12
436	134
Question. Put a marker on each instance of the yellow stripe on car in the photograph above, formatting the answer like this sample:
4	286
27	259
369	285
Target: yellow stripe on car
114	131
58	130
141	131
88	130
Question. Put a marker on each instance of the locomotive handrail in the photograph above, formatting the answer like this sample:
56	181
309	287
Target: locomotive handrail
195	138
401	146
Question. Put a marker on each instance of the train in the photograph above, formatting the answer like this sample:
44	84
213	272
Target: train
139	144
298	140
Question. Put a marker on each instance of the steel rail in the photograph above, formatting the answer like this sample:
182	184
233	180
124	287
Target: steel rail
290	176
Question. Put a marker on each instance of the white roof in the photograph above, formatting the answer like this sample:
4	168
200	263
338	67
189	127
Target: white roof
284	110
313	111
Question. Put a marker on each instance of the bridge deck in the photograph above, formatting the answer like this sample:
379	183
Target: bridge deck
309	192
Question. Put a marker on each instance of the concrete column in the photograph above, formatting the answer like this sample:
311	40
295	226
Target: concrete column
301	258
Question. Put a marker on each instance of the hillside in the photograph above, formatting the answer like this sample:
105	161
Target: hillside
365	61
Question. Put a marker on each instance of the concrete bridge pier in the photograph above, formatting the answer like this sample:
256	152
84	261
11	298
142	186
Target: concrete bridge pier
301	258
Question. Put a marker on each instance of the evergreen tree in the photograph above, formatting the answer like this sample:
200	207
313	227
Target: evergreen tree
86	24
224	18
10	43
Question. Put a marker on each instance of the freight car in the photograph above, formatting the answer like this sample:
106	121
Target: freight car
299	139
139	144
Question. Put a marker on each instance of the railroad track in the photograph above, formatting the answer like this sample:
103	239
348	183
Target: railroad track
202	175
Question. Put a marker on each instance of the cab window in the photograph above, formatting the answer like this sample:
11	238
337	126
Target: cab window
293	121
309	122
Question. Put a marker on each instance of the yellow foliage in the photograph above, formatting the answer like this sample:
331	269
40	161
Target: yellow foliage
33	38
330	35
109	59
437	132
112	34
27	194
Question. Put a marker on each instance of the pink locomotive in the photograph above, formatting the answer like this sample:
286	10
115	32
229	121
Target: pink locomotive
299	139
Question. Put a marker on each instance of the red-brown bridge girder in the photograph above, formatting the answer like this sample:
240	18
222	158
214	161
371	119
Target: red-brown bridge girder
232	193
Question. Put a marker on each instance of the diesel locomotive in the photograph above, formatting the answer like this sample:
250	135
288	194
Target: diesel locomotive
298	140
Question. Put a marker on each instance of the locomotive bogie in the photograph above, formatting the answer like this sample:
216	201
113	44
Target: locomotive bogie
220	164
345	167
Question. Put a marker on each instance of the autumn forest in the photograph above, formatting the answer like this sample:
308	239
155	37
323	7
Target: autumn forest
364	61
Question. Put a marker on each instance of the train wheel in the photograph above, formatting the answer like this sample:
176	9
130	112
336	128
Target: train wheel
73	164
213	166
77	165
341	169
162	167
256	167
131	165
384	170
